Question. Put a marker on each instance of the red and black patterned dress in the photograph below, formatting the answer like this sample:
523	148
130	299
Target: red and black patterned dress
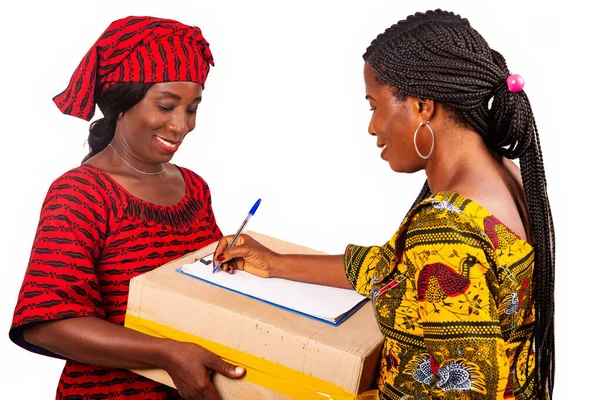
92	238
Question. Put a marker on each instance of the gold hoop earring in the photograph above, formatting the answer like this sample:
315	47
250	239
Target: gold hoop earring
432	140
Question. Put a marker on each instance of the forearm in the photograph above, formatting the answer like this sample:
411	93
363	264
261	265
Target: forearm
322	270
95	341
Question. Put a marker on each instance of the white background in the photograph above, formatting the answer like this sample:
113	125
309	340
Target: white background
284	118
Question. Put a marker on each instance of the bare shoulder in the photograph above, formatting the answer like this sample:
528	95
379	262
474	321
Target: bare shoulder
501	195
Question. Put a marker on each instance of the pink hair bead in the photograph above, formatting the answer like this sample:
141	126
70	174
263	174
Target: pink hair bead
515	83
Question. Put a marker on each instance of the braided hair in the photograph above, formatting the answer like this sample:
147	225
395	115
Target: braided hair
437	55
117	99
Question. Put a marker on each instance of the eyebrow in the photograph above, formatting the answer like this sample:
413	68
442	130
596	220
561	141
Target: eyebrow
177	97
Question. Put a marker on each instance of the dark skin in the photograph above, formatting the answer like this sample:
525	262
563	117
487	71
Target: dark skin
460	162
168	111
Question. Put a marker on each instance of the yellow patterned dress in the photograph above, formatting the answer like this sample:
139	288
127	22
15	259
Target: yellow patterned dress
456	309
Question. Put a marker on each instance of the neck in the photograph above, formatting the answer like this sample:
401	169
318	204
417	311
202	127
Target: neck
124	156
458	154
465	270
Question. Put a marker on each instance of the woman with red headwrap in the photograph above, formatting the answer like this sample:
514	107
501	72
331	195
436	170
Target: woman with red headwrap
124	211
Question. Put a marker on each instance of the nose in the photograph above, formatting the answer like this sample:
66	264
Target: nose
371	129
178	123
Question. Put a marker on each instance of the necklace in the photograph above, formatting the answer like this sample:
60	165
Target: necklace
134	168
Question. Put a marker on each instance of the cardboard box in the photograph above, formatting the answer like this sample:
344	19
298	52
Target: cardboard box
346	357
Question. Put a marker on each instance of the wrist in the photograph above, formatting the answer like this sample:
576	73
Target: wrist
166	353
274	263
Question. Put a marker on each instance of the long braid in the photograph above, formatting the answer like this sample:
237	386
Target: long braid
437	55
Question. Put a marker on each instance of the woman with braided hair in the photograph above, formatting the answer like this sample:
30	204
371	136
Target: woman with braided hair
125	211
463	291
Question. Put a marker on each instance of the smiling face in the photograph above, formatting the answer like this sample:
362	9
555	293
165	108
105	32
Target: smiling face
153	129
394	121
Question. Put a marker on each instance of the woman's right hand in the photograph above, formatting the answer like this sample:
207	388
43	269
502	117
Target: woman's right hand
95	341
190	366
247	255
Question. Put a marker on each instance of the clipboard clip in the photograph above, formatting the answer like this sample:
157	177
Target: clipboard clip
206	260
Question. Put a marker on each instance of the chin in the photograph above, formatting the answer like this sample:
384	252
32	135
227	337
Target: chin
163	157
166	159
406	169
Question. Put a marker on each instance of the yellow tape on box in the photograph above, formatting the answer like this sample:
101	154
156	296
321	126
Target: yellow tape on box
265	373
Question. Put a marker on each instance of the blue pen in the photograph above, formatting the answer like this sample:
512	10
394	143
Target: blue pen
238	233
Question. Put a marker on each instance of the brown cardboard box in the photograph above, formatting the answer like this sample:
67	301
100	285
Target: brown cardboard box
346	355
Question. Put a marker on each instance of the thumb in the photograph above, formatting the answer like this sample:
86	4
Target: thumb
224	368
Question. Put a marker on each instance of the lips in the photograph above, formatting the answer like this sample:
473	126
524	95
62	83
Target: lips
382	146
167	145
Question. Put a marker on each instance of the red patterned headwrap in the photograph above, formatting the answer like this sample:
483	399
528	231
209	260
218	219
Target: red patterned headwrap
136	49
